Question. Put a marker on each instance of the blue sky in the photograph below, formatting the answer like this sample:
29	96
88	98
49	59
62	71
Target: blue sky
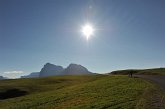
128	34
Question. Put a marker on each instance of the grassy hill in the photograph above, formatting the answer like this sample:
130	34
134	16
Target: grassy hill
155	71
81	92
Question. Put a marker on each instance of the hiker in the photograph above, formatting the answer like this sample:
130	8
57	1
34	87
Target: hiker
130	74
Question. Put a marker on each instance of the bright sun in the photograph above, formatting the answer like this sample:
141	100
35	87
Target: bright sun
87	30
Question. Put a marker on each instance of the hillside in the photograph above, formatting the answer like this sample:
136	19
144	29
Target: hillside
80	92
154	71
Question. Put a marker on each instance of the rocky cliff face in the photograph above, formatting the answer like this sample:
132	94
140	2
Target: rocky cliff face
50	70
75	69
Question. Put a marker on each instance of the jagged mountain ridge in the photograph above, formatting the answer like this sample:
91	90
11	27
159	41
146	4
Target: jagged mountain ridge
52	70
72	69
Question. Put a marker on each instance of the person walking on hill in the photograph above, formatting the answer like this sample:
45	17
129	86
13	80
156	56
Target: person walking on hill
130	74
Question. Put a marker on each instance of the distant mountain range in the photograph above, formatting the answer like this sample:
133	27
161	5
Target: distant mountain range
52	70
1	78
32	75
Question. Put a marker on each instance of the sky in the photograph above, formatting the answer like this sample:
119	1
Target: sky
129	34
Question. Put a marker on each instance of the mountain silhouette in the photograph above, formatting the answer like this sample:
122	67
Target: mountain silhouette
32	75
53	70
50	70
75	69
72	69
1	78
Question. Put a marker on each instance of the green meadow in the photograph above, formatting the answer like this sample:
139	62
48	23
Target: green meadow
83	92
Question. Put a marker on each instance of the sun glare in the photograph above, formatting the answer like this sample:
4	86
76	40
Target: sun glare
87	30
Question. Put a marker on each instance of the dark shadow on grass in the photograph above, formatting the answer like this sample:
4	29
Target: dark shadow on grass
12	93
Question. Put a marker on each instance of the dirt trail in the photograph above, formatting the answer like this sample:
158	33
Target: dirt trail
155	78
157	101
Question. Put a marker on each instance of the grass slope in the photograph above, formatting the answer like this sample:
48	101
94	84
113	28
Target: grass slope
83	92
155	71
